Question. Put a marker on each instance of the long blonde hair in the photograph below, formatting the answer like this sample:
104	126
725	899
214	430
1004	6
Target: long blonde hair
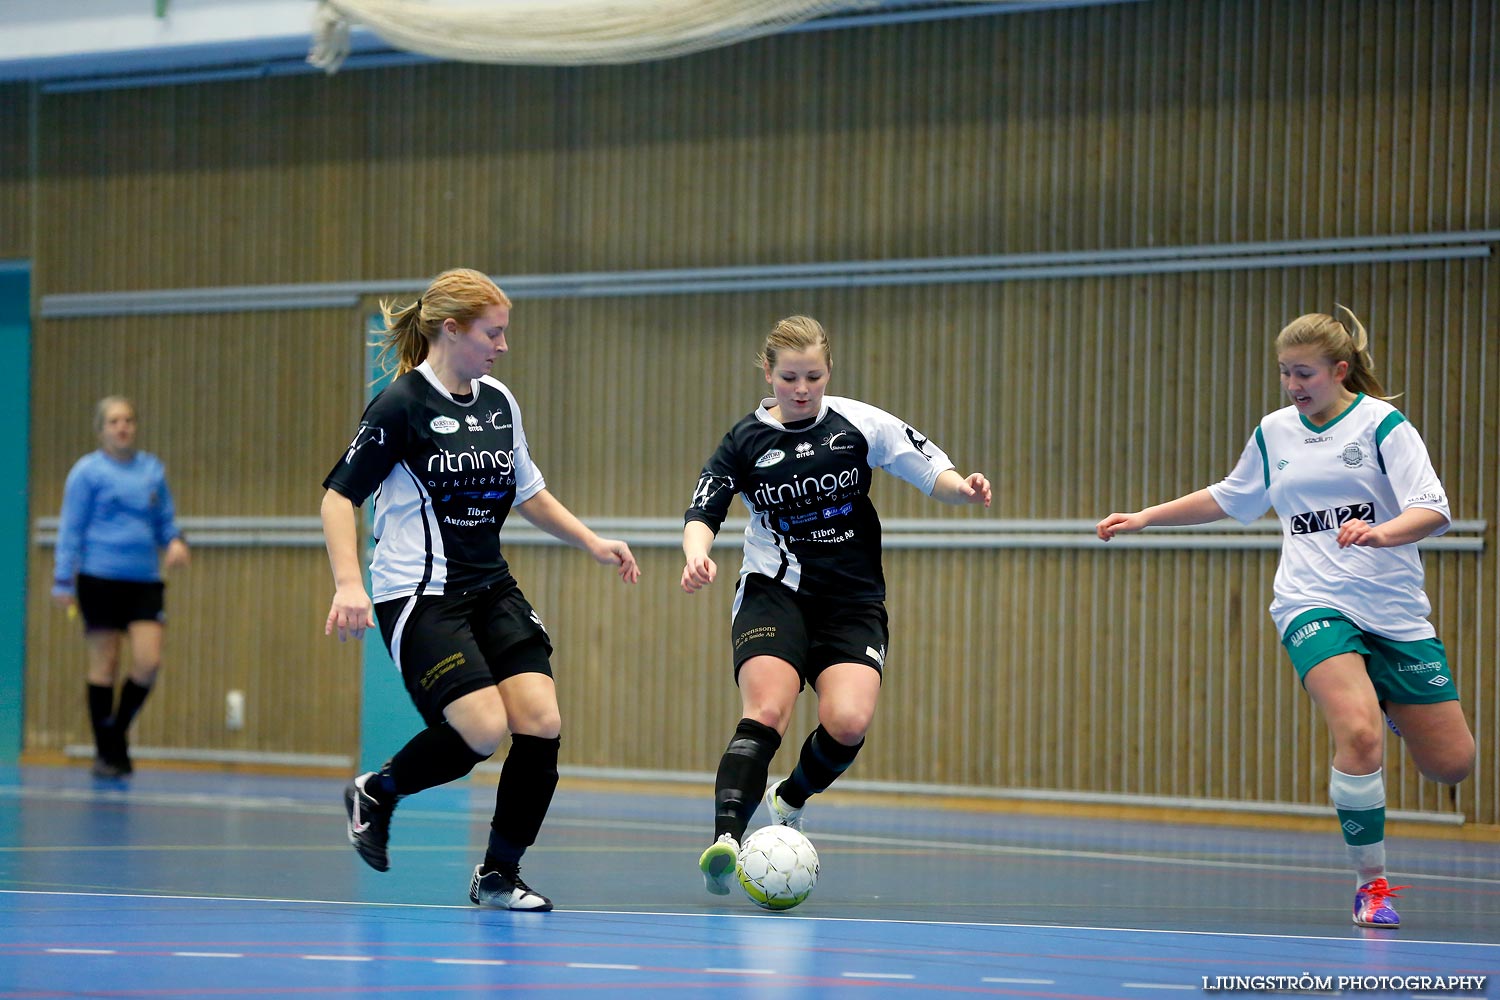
1337	342
794	333
460	294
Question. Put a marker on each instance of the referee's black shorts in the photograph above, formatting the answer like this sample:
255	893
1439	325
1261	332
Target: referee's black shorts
113	604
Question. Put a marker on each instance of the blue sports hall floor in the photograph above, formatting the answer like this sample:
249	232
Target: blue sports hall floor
188	883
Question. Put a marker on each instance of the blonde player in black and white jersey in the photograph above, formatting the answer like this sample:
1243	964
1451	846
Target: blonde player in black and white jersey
809	607
1355	490
443	452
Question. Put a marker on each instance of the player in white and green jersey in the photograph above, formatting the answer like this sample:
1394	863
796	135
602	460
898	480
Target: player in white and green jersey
1355	490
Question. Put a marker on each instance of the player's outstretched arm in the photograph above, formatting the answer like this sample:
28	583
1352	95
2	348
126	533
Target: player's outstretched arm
548	513
953	488
1195	508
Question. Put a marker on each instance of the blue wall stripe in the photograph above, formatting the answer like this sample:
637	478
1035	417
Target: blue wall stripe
15	413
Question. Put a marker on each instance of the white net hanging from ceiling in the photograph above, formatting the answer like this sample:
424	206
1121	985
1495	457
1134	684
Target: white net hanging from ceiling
558	32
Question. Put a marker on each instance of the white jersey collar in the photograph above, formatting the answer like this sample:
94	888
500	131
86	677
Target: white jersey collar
425	368
763	414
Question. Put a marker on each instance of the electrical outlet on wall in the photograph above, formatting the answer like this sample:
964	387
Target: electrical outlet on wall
234	709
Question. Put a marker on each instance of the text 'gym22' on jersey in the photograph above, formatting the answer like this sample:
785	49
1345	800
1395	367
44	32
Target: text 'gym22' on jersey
444	475
812	525
1369	464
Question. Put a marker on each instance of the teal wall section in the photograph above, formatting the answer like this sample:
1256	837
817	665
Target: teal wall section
387	718
15	512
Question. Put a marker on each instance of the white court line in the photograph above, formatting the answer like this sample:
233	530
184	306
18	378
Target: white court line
275	803
877	975
783	917
257	802
1156	986
601	965
857	975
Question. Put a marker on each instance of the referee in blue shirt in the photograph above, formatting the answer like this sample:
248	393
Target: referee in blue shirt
117	517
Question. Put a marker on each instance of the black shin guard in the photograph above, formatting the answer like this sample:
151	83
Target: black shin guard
435	756
521	802
822	760
742	777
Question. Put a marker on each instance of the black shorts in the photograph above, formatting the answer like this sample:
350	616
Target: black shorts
450	646
810	633
114	604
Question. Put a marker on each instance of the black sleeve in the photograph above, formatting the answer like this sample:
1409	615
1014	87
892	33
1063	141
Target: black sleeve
378	445
717	485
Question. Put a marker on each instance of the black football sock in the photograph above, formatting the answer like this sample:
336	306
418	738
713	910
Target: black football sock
527	782
101	707
822	760
132	697
435	756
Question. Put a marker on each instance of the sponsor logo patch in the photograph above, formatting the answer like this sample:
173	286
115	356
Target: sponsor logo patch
1332	518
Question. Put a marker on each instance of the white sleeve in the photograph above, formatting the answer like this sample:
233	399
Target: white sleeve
529	481
1244	494
897	447
1413	479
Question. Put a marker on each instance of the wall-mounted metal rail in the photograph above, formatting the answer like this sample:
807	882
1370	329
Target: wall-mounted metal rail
899	533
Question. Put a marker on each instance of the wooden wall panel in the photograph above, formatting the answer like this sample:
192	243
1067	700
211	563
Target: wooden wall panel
1048	131
15	171
1173	123
201	186
238	619
247	412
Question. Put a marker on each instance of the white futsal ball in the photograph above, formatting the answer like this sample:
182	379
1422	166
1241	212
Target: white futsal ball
778	867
